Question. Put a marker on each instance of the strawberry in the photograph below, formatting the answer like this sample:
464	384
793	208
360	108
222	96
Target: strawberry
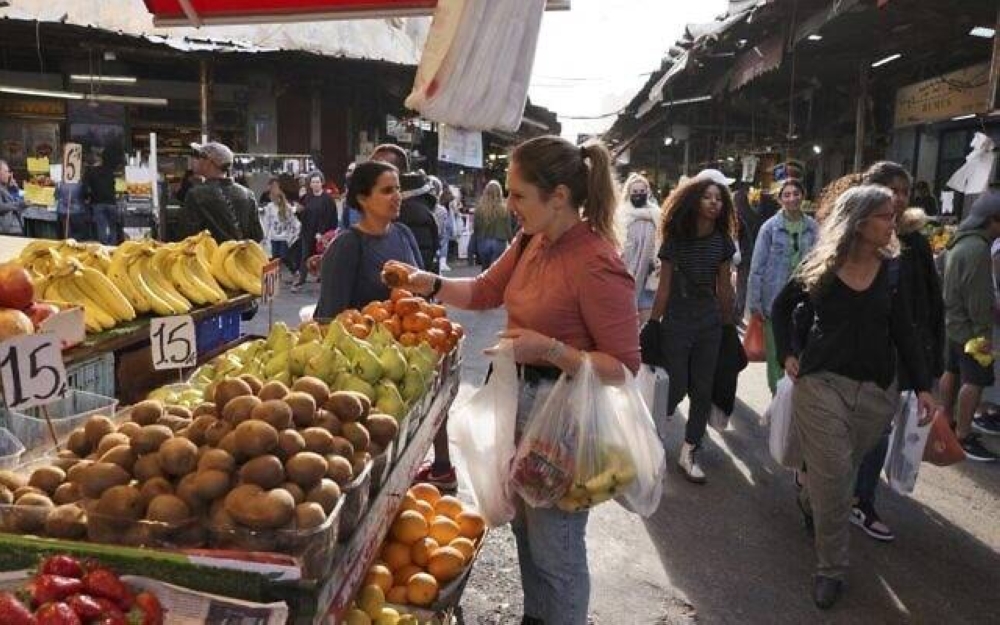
112	619
110	609
65	566
57	614
86	607
50	588
103	583
147	610
13	612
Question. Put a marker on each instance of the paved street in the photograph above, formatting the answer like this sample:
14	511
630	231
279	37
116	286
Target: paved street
734	550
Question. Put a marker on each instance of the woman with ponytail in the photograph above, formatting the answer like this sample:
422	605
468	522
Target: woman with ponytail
568	296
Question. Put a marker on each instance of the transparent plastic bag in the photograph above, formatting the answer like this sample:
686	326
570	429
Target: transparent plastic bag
483	431
782	439
906	447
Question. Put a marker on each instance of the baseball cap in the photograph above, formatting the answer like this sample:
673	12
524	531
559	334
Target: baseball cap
986	207
715	176
214	151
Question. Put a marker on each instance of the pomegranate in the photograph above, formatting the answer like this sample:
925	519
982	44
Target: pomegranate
16	289
14	323
39	312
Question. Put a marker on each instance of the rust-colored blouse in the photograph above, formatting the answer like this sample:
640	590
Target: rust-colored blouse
576	290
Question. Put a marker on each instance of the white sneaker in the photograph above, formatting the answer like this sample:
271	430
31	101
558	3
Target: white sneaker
688	464
444	267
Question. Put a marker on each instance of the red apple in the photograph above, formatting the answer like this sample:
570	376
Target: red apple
16	289
39	312
14	323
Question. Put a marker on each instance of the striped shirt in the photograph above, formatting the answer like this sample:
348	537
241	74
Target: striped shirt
697	261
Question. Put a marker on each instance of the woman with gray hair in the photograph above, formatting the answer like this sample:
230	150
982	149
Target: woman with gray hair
845	389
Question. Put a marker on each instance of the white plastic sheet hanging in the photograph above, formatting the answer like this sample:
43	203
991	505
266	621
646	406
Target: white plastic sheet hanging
477	61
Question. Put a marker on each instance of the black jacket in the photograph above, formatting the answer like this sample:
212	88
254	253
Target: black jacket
417	212
732	360
919	278
99	185
318	216
226	209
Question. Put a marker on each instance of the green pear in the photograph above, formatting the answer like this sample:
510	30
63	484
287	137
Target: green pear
335	336
285	377
388	399
301	354
310	332
327	364
277	363
393	363
418	359
367	365
380	337
348	382
414	384
279	333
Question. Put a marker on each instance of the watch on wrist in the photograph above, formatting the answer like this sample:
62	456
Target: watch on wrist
436	287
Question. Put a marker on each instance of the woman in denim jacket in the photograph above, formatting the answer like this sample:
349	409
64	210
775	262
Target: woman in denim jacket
782	242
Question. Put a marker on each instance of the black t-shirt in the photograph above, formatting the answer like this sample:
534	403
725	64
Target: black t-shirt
696	262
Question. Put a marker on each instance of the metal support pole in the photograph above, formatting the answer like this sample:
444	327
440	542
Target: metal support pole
687	155
315	120
205	79
994	95
859	120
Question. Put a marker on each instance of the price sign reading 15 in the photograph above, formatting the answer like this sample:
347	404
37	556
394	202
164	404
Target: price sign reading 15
32	371
173	342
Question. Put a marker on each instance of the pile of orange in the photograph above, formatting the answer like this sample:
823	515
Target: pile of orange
431	542
410	319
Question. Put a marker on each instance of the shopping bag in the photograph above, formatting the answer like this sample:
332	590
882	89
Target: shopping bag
906	447
753	340
654	387
942	445
482	429
782	440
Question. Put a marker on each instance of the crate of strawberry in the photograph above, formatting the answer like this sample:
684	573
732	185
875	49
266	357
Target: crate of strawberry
67	591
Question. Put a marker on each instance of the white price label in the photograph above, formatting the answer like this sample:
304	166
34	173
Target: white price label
72	165
31	371
173	342
270	278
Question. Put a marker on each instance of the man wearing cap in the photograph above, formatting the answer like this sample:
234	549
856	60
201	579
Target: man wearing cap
969	303
226	209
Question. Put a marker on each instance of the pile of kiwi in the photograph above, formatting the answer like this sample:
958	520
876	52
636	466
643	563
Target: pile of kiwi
258	457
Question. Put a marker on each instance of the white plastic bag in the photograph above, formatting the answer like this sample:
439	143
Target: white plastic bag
782	440
906	447
643	495
654	385
483	431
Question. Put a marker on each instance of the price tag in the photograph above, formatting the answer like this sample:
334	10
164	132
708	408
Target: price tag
270	277
72	163
31	371
173	342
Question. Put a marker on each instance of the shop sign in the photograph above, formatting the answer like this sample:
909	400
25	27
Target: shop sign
173	342
31	371
33	108
461	147
962	92
72	163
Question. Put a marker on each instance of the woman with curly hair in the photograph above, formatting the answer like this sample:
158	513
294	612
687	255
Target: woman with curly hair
694	299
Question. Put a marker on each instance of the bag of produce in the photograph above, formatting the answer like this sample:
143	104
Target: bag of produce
483	431
782	439
906	447
753	340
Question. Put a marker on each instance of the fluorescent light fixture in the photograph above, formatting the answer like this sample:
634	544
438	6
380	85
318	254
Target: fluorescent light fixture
731	159
701	98
817	149
126	99
815	37
108	80
668	141
983	31
73	95
888	59
42	93
961	117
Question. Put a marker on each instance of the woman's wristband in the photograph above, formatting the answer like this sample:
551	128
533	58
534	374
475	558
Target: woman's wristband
438	283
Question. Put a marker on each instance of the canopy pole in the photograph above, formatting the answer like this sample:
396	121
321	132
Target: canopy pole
205	79
190	13
994	96
859	120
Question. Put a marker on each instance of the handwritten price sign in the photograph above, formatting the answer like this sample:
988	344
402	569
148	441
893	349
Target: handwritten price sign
173	342
32	371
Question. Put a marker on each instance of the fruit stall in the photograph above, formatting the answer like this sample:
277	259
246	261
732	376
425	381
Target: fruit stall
271	481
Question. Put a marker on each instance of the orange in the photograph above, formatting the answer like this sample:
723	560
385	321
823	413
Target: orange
397	595
359	330
443	530
409	339
426	492
396	555
394	325
421	589
416	322
407	306
436	311
420	551
409	527
446	564
449	506
437	339
409	503
380	576
426	509
470	524
404	574
397	294
465	545
440	323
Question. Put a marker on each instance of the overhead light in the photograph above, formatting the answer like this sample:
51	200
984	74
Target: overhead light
983	31
42	93
731	159
126	99
668	141
815	37
701	98
817	149
73	95
961	117
109	80
888	59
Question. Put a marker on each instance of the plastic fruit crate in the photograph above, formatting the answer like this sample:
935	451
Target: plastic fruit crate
215	331
356	496
10	449
66	415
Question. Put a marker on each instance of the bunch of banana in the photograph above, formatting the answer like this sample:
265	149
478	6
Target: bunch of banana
237	265
104	305
618	473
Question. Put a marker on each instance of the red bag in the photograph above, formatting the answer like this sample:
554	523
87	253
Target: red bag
942	445
753	340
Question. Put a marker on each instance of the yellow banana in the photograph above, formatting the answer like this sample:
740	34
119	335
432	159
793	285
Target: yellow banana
118	273
159	265
257	253
205	245
51	292
186	282
95	317
203	275
240	273
218	265
108	294
138	269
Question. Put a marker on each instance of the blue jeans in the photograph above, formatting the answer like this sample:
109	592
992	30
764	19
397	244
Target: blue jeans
279	249
489	250
443	250
106	223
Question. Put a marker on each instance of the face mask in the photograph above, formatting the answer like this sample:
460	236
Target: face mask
638	199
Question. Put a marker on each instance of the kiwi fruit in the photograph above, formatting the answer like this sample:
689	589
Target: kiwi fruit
303	407
101	476
326	494
67	492
129	429
216	460
240	408
228	389
383	429
275	412
318	440
154	488
169	509
342	446
147	467
66	521
7	496
147	412
216	431
358	435
348	406
187	489
120	505
96	428
253	382
309	515
306	468
211	483
74	472
122	455
275	389
199	426
359	461
78	443
175	423
254	438
150	437
47	479
25	490
339	469
180	411
12	480
319	389
228	445
296	491
204	408
290	442
252	506
178	456
264	471
111	441
328	421
29	513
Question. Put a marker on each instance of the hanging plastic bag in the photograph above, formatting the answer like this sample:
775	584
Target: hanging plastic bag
753	340
782	439
942	446
654	386
483	431
906	447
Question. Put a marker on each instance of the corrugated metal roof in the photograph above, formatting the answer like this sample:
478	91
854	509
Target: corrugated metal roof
393	40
